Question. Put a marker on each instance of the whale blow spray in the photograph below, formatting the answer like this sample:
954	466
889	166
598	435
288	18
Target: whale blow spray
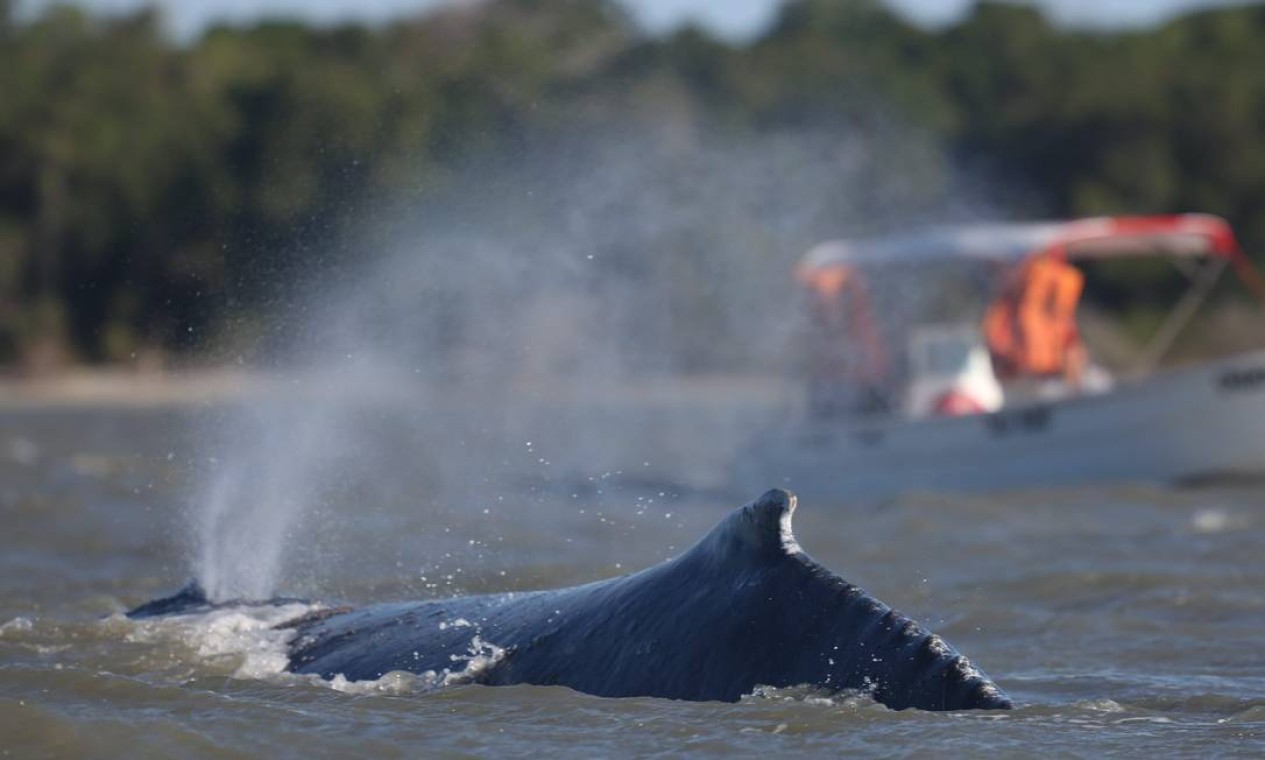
433	372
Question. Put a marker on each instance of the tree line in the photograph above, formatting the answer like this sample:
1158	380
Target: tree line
154	194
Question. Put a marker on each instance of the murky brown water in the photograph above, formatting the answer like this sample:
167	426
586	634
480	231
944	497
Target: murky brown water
1123	621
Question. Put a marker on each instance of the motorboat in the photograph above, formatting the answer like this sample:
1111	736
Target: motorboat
952	412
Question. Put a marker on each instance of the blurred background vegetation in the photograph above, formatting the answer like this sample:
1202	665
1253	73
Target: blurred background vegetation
154	192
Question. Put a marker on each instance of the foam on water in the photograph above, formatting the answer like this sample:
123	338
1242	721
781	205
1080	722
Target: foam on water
1101	705
248	635
811	695
805	694
481	657
254	637
396	683
1216	520
16	625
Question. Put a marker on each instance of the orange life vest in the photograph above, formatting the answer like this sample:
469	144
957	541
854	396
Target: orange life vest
1030	328
841	311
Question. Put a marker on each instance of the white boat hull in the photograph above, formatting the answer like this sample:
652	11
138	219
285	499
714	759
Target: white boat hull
1187	424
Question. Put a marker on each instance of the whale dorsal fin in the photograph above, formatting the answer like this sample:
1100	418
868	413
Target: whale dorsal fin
760	528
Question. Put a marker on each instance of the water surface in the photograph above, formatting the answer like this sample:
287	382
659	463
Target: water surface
1122	621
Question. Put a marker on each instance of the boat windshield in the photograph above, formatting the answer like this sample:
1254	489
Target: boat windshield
947	356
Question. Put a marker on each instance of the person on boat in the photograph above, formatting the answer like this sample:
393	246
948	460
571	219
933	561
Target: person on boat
1031	328
848	366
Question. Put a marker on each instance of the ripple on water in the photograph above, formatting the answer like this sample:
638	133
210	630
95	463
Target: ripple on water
1123	622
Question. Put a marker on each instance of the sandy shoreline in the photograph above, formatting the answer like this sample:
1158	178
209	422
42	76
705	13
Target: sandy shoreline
106	387
124	388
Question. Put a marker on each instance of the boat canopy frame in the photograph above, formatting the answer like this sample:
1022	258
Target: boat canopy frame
1174	235
1180	237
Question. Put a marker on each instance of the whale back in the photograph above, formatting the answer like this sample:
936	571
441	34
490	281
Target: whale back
744	607
190	599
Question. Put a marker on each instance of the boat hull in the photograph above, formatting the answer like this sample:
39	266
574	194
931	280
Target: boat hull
1188	424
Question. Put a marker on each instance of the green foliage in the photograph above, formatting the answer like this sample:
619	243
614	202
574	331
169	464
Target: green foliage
150	191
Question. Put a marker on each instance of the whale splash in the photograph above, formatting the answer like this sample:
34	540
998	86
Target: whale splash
744	608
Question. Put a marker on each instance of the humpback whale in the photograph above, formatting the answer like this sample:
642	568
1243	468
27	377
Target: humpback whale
744	607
